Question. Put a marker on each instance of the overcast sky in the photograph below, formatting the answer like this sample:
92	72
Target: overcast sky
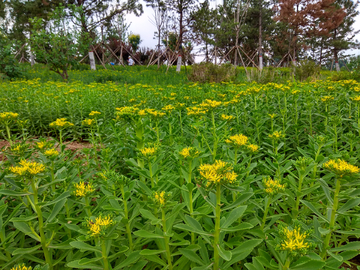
142	26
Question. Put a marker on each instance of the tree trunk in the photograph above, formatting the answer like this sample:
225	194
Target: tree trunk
237	31
260	38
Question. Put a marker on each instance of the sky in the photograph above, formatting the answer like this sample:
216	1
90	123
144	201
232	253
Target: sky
143	26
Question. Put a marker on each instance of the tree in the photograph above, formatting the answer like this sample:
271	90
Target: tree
341	31
8	64
94	13
56	44
134	41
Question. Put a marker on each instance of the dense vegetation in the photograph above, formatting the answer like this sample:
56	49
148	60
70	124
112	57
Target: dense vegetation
178	175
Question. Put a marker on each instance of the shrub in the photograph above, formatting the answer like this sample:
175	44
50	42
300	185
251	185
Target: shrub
346	75
307	69
209	72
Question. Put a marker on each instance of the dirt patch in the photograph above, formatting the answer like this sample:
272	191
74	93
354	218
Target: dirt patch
73	146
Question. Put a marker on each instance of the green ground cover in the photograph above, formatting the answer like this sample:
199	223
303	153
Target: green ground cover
178	175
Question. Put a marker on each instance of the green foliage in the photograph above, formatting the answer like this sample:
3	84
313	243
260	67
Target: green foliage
307	69
142	191
9	67
209	72
134	41
269	74
171	41
57	45
346	75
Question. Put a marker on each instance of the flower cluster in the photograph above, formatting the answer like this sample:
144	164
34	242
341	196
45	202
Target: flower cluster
218	173
21	267
98	226
253	148
210	104
189	152
196	111
237	140
6	117
341	167
61	123
125	113
276	135
327	98
154	113
293	240
94	113
161	197
227	118
83	189
52	153
273	186
88	122
27	167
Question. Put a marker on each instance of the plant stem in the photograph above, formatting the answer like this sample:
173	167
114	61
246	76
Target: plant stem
166	238
265	212
104	255
298	197
191	208
87	206
126	212
217	226
8	134
151	175
332	218
41	225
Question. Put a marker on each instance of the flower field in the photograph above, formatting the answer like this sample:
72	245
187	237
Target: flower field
180	176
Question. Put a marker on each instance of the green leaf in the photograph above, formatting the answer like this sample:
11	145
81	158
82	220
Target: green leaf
323	231
309	265
57	208
151	251
255	265
242	226
13	193
336	257
146	234
348	205
191	255
23	227
83	246
349	246
60	198
243	198
225	254
25	250
233	216
76	264
312	208
191	229
132	258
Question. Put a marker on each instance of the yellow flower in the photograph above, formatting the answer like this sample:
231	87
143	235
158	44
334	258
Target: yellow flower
327	98
160	197
41	145
21	267
98	226
25	167
155	114
51	153
356	99
88	122
210	104
276	135
341	167
83	189
148	151
61	123
227	117
189	152
196	111
272	116
94	113
8	116
168	108
218	173
293	240
253	148
237	140
125	113
273	186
